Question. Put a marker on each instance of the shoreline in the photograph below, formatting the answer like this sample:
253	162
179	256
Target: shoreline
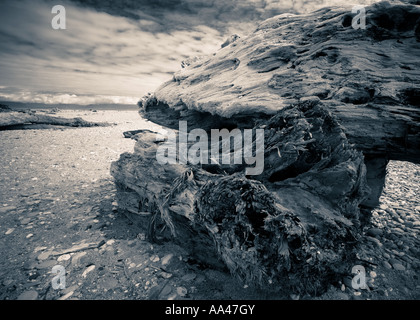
20	106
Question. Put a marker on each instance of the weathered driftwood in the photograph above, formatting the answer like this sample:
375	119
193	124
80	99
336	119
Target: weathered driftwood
335	104
13	119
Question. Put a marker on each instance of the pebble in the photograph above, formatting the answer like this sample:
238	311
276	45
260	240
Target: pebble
44	255
189	277
9	231
39	249
88	269
166	259
374	232
398	266
386	264
342	296
393	261
64	257
166	291
375	241
172	297
7	282
30	235
383	206
46	264
76	257
181	291
416	224
25	221
154	258
66	296
28	295
409	224
398	230
4	210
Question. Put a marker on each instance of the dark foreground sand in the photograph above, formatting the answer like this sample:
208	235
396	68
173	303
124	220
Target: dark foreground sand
57	207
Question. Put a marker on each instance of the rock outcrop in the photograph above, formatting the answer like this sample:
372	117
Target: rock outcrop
10	119
335	104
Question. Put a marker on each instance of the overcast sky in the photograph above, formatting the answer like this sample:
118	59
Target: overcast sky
117	51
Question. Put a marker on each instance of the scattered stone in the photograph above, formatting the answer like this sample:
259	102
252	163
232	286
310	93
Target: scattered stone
4	210
110	242
30	235
181	291
70	289
46	264
386	264
7	282
28	295
66	296
294	297
383	206
398	266
374	240
166	259
189	277
374	232
165	291
76	257
172	297
39	249
342	296
87	270
25	221
44	255
398	230
109	283
141	236
64	257
166	275
9	231
393	261
155	258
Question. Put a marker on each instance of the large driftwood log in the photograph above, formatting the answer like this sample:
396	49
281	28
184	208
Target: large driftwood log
335	105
